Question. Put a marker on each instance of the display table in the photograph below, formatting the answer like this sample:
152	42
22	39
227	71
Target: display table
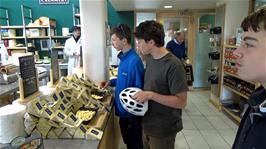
105	123
8	89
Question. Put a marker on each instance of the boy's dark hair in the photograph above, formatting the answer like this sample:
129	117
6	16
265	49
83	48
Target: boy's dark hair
151	30
256	20
122	31
75	28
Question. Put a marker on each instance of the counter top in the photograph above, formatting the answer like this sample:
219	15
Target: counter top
9	88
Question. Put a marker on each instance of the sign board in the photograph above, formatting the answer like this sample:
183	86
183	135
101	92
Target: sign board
28	75
54	2
55	65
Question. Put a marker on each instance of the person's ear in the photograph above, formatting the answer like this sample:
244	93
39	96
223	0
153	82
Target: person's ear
151	42
124	40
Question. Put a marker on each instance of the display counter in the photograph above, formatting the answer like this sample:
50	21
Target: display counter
104	122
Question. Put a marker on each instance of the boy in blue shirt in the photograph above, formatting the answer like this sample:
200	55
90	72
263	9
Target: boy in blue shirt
130	74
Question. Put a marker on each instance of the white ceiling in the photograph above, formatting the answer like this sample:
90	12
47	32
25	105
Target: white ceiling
128	5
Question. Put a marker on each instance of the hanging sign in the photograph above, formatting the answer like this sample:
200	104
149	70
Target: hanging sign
54	1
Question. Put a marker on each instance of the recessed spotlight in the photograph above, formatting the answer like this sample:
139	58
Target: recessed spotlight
168	6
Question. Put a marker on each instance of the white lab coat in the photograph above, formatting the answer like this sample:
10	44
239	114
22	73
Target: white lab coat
71	46
4	55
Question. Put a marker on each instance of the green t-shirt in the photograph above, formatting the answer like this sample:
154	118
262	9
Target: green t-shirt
165	76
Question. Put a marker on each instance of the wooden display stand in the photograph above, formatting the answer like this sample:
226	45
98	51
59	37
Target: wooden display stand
28	81
54	70
52	84
22	99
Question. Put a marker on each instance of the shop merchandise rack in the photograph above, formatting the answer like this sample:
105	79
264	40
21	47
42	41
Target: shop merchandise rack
214	78
21	38
76	15
235	90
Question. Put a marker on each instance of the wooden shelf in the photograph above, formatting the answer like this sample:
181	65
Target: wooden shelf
18	37
16	48
232	61
12	27
38	26
236	76
233	90
39	37
234	116
230	46
77	15
58	47
60	37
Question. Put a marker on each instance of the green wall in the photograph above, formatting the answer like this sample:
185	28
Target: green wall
63	14
118	17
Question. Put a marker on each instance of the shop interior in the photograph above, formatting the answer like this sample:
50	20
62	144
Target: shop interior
37	96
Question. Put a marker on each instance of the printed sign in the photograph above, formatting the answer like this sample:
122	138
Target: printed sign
54	1
28	75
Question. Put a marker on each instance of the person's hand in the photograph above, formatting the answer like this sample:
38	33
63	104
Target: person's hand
142	96
104	84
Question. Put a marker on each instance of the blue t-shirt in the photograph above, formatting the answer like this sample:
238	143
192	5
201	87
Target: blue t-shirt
179	50
130	74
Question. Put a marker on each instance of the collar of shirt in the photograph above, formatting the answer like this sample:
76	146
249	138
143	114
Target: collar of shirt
177	42
264	85
122	55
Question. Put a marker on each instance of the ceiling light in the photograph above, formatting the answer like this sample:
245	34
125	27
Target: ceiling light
168	6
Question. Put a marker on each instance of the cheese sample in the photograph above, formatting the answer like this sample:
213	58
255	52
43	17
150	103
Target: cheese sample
85	115
43	127
80	132
96	97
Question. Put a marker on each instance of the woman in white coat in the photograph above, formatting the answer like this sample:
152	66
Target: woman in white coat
72	50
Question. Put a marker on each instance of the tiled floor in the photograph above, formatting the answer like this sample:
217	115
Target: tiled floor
204	126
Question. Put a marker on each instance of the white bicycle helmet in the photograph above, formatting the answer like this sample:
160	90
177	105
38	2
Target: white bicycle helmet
131	105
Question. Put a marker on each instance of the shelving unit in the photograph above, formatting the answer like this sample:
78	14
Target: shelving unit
236	76
76	15
238	93
215	42
231	114
229	72
21	34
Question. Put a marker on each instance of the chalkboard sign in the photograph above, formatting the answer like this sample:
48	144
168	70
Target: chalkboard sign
28	75
55	65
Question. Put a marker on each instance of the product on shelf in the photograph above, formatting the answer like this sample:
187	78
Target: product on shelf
239	85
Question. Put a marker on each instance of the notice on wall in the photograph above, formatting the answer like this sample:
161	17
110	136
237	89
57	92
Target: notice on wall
28	75
54	1
55	65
